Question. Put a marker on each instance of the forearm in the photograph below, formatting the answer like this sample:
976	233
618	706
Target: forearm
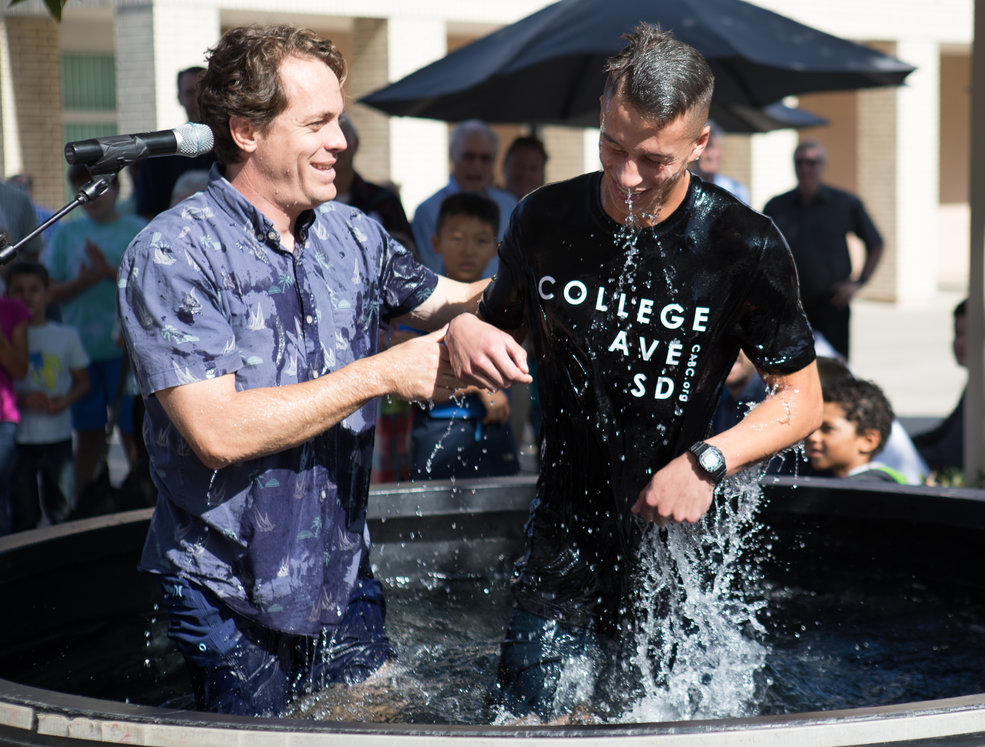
872	257
785	417
224	426
450	298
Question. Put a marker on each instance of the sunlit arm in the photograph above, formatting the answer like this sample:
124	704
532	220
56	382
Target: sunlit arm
788	414
681	492
449	299
224	426
481	354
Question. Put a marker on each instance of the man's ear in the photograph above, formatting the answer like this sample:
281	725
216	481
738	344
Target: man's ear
700	144
244	134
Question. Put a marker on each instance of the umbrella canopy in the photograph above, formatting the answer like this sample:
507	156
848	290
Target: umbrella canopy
547	68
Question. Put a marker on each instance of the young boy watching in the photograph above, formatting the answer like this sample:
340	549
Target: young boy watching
471	435
57	376
857	421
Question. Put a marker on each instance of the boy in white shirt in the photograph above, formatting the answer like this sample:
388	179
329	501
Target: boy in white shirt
57	376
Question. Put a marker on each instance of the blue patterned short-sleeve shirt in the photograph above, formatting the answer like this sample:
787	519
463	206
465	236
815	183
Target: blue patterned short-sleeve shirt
207	290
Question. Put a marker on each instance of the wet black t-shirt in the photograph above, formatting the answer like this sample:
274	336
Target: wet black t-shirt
634	333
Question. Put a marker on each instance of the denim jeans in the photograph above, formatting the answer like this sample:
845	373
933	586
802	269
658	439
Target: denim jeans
545	666
242	668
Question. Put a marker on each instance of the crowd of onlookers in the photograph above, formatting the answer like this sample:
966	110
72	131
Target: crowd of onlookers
64	383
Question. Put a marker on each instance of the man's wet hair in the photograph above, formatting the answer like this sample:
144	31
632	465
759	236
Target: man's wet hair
472	205
23	267
659	76
243	78
864	404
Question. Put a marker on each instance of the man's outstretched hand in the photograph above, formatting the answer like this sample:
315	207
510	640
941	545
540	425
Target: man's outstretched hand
485	356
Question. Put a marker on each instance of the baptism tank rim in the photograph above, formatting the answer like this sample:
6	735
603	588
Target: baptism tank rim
36	716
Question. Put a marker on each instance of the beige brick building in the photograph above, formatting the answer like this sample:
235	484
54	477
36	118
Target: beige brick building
905	151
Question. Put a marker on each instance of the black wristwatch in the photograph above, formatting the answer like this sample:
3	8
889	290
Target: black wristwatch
710	460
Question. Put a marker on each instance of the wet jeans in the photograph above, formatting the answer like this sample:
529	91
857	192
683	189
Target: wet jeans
545	666
242	668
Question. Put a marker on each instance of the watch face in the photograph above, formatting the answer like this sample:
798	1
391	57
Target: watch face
711	460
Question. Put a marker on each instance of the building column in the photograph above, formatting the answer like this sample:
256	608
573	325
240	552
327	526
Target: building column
418	147
771	171
31	104
153	42
367	72
898	175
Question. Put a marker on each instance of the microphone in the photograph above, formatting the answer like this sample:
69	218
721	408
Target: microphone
110	154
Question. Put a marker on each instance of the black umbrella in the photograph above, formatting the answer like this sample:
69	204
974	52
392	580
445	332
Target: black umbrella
547	68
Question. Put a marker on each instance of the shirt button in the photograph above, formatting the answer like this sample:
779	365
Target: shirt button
272	235
260	237
314	374
308	319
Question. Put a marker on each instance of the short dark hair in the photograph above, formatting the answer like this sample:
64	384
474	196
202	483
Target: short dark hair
864	404
661	77
243	78
197	69
830	370
471	204
23	267
530	143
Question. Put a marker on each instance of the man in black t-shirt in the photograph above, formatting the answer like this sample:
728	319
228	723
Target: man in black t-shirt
638	285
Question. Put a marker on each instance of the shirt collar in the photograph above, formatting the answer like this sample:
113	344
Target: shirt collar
245	213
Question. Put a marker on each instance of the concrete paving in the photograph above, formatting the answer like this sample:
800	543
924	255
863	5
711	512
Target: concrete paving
907	352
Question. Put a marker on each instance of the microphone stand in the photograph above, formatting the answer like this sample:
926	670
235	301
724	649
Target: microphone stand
89	192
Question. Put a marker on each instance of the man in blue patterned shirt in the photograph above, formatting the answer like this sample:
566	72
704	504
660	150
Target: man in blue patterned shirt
251	312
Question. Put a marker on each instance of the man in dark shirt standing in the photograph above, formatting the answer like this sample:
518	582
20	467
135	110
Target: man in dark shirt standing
156	177
815	219
638	286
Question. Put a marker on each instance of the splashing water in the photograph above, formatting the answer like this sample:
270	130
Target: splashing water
697	650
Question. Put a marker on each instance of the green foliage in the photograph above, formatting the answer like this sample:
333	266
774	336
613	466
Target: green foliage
54	7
